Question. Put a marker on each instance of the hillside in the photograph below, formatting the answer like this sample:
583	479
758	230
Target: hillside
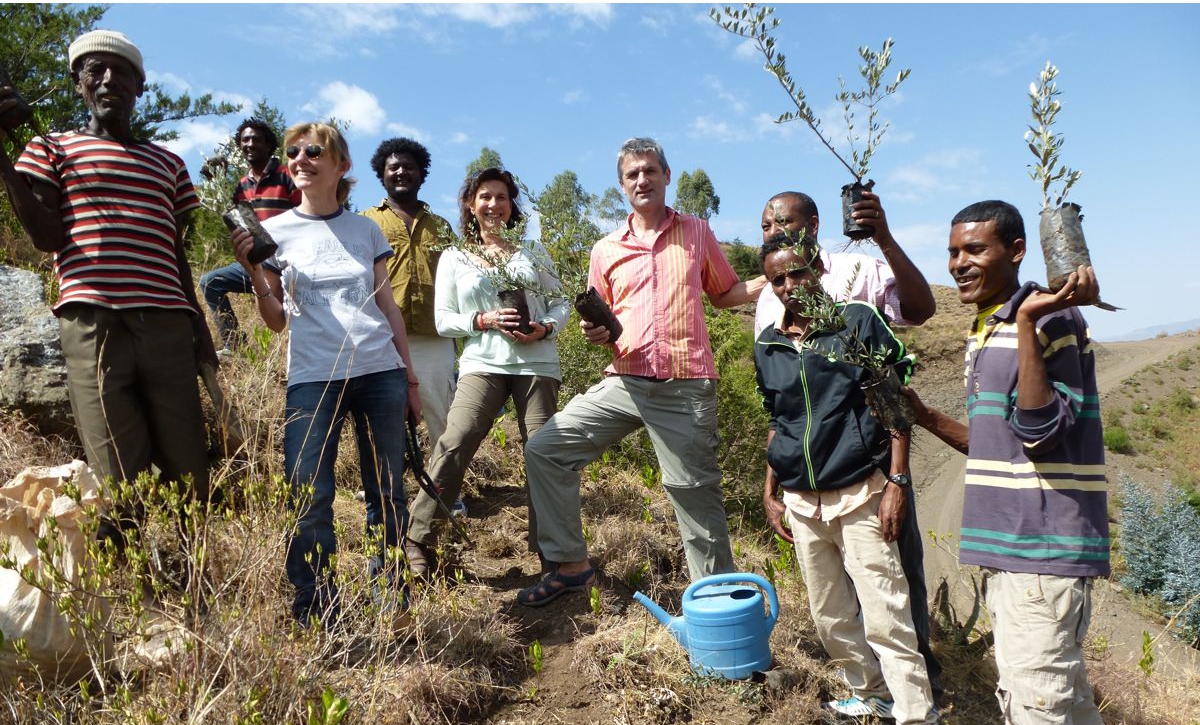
213	644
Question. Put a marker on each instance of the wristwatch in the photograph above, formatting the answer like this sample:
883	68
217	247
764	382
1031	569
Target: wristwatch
903	480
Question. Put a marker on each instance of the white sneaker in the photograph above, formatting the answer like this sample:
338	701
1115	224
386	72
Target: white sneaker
224	352
857	707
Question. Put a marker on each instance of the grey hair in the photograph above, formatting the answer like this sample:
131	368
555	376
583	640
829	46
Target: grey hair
641	146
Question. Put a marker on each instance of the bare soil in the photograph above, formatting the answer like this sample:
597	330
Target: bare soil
564	692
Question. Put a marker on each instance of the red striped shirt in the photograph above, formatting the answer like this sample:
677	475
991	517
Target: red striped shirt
119	209
274	193
654	286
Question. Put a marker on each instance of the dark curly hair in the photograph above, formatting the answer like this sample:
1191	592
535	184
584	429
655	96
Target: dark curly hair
786	240
466	196
396	146
262	127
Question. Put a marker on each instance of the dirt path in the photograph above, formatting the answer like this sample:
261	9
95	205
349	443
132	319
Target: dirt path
940	501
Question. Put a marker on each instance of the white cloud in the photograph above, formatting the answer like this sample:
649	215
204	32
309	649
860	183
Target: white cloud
735	102
458	137
935	173
573	96
236	99
924	238
584	13
717	129
198	137
169	81
349	103
492	16
1025	56
746	50
400	129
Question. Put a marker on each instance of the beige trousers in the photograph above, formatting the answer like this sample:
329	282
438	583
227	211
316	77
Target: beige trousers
1040	621
859	601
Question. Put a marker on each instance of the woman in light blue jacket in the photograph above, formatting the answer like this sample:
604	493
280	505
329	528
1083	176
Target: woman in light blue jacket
498	361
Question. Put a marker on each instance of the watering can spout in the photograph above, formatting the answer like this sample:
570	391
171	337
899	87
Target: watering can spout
674	624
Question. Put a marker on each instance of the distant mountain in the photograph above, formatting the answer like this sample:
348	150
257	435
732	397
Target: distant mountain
1145	333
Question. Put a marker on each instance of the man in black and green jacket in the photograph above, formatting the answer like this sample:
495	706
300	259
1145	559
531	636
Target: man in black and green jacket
843	477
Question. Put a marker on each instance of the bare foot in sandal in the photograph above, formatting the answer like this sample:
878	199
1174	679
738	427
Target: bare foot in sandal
567	578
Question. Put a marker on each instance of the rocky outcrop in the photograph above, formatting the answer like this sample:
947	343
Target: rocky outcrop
33	373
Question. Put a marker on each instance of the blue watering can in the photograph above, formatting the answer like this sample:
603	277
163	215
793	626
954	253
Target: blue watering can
723	627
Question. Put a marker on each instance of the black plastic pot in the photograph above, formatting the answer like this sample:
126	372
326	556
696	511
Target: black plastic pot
515	298
1063	246
851	195
242	216
20	114
595	310
892	407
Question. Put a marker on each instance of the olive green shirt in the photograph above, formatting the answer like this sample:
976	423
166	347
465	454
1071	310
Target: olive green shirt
411	269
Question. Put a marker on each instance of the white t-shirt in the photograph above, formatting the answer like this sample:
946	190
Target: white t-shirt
336	330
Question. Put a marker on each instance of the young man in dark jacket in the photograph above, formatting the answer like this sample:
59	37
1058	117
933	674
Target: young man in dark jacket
843	477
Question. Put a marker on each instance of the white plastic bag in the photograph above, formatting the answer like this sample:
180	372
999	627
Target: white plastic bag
27	612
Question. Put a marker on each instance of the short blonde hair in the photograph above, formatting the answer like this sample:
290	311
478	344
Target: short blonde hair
331	138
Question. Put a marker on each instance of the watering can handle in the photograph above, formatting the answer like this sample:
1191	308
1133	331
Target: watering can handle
736	578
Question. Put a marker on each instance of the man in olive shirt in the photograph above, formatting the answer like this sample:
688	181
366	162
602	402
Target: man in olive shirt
413	231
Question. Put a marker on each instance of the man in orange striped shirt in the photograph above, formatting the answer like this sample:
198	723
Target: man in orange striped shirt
652	273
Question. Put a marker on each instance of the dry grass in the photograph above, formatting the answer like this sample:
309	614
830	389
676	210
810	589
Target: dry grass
460	654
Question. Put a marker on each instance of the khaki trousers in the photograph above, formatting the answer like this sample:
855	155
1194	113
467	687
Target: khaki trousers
1039	622
433	362
479	398
681	419
131	377
851	572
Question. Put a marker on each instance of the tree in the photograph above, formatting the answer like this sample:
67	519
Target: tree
611	208
695	195
487	159
34	39
568	232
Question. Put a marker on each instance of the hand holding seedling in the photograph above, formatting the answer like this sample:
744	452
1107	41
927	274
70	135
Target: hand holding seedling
869	212
1081	290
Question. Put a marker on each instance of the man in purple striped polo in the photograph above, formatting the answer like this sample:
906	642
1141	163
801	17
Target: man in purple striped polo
1035	509
111	208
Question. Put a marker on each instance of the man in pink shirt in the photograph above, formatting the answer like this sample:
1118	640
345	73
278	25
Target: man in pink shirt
652	273
893	284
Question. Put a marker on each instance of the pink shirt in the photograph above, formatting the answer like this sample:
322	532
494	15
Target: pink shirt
874	283
654	286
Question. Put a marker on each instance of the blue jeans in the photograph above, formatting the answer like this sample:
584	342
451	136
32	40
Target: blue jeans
316	413
216	285
912	560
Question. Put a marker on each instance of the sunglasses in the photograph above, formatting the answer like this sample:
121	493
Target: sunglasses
312	151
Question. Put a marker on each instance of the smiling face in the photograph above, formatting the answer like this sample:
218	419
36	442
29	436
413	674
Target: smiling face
984	270
645	182
255	147
110	87
793	274
786	214
492	207
316	178
402	177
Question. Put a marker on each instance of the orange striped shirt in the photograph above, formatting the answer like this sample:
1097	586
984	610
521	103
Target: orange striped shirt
654	286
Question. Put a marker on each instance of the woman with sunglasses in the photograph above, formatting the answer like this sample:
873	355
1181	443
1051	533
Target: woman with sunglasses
327	285
498	361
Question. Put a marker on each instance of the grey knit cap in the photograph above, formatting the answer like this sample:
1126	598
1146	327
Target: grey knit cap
106	41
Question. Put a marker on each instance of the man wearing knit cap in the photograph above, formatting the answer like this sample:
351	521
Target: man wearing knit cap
110	209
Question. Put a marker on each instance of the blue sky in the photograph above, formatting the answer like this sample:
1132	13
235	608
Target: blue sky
560	87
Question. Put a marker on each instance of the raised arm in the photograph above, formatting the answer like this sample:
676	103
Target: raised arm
916	298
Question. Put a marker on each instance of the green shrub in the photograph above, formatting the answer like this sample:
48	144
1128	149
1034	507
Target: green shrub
1117	440
1159	542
